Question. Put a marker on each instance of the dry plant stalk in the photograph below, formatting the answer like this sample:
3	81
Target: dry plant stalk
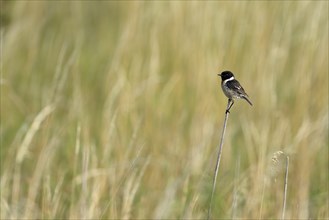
219	157
285	187
275	159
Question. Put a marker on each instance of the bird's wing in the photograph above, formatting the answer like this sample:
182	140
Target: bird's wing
235	85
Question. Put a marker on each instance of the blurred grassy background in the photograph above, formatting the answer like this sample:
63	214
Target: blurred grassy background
114	110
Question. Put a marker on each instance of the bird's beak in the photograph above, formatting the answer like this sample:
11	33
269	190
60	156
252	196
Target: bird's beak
219	74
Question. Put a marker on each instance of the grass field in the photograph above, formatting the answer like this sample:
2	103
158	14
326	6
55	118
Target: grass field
113	110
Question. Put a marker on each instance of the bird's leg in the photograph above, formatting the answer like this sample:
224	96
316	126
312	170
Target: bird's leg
229	105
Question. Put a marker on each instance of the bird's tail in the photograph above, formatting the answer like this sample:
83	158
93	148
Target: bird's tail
247	99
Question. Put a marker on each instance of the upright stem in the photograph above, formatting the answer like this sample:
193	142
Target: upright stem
285	188
218	157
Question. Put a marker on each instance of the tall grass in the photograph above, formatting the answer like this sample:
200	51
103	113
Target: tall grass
113	110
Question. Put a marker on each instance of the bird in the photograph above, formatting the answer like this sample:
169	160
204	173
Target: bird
232	88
